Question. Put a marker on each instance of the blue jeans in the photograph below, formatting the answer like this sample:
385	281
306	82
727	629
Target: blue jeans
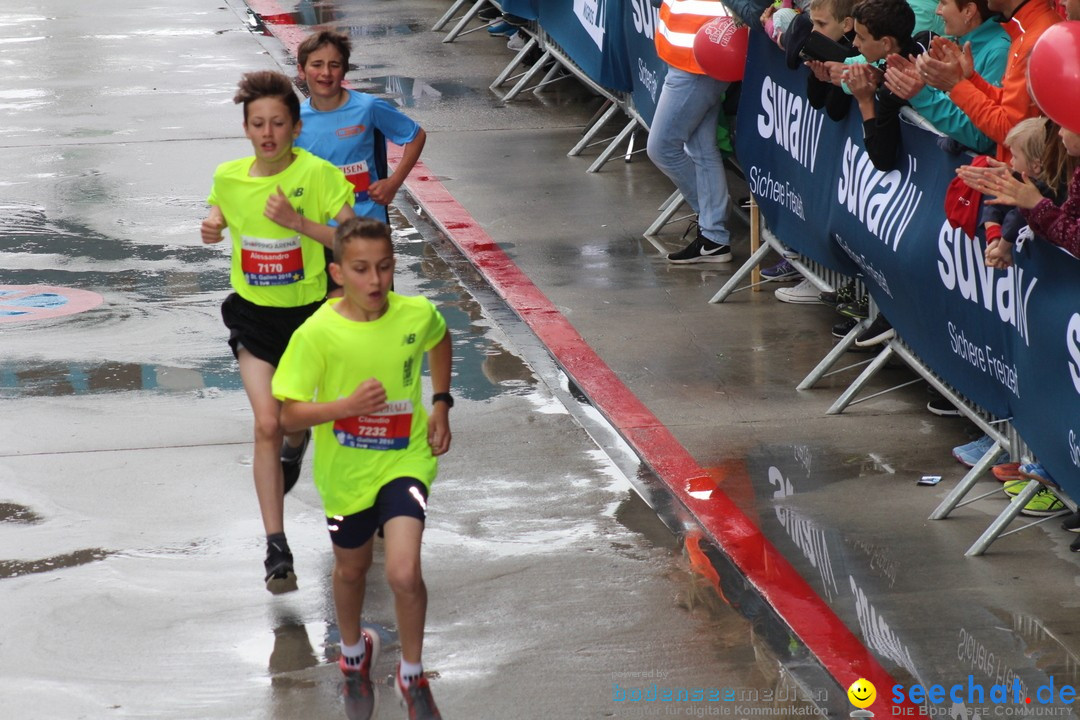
682	143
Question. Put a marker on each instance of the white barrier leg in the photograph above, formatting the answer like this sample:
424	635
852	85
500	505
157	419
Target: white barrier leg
952	500
528	76
518	59
1002	521
612	147
592	130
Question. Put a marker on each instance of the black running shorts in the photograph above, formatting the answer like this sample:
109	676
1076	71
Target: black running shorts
403	497
261	330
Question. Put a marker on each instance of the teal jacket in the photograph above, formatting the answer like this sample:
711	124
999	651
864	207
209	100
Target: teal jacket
990	50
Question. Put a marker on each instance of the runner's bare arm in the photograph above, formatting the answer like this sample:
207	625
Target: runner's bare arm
440	361
281	211
383	191
213	225
368	399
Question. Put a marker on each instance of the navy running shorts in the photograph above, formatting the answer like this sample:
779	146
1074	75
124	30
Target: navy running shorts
402	497
261	330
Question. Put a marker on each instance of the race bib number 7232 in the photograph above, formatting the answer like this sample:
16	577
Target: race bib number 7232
387	430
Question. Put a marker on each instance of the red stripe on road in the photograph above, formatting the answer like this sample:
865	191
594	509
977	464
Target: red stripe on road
780	584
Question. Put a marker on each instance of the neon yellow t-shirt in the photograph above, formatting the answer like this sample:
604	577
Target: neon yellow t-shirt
272	265
327	358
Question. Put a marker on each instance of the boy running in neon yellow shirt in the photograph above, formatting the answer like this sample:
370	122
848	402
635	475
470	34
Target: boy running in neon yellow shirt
276	206
352	372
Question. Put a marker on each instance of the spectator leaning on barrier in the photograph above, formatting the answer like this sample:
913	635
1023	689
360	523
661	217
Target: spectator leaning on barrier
882	28
682	137
992	110
832	19
969	21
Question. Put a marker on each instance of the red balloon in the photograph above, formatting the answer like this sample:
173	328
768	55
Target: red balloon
720	49
1054	74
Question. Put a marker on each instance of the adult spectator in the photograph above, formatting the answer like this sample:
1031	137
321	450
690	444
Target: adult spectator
682	137
969	21
992	110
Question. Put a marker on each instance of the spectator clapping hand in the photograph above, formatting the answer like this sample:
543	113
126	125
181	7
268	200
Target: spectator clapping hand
863	80
902	77
998	181
945	63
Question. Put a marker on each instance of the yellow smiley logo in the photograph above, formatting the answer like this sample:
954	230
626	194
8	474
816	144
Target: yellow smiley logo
862	693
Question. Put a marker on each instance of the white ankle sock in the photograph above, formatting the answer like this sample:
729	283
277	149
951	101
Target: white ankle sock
410	671
354	654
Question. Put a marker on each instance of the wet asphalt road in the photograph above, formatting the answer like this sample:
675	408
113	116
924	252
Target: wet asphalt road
130	548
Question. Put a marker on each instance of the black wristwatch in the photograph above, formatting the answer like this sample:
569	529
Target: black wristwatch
443	397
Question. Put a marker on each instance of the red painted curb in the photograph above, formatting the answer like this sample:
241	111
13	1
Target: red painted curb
780	584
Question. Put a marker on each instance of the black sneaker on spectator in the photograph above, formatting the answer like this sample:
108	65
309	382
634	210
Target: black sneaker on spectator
489	13
515	20
858	309
701	250
1072	523
881	330
844	294
842	328
942	407
782	270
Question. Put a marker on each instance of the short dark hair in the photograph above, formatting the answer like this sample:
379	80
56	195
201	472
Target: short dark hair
362	228
320	39
263	84
985	13
886	18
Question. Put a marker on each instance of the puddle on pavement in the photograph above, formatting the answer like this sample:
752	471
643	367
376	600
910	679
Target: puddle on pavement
165	290
415	93
19	514
17	568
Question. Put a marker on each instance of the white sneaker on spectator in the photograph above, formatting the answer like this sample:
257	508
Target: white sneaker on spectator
805	293
517	42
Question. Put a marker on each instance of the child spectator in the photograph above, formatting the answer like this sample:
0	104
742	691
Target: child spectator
349	129
352	371
1059	225
276	205
1002	223
973	24
831	19
882	28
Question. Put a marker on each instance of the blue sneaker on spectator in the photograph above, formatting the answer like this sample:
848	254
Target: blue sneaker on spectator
782	270
1035	471
502	28
970	453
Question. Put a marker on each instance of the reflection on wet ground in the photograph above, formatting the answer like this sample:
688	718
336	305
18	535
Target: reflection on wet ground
37	245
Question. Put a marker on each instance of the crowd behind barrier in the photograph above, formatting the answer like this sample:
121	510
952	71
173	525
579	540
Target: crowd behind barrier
1007	341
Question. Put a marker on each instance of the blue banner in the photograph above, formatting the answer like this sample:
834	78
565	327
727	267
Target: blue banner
787	150
528	9
1007	340
647	70
591	34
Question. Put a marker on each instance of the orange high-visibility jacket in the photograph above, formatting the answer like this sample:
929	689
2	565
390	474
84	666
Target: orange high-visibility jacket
679	23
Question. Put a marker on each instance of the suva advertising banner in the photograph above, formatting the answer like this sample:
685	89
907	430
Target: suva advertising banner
647	70
591	33
1008	340
788	151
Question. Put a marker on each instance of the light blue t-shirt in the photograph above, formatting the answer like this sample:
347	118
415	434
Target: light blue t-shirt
346	138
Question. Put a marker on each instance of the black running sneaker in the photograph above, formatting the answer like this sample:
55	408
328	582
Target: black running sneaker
280	576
